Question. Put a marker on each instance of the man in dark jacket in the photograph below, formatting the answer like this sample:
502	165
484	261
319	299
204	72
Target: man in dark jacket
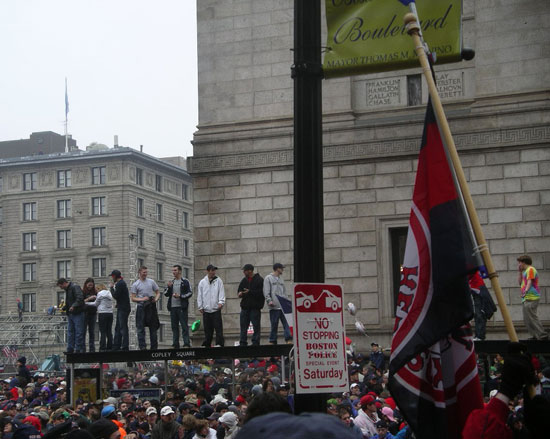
74	307
178	292
250	291
23	374
119	291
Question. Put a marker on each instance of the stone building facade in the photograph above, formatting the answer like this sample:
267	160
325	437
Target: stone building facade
83	214
498	108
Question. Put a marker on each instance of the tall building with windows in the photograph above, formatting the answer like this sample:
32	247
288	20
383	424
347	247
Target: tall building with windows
497	105
82	214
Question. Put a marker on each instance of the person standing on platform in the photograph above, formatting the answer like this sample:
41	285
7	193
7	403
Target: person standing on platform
274	286
74	307
19	309
528	279
90	312
251	292
145	292
210	300
119	291
178	292
484	307
104	304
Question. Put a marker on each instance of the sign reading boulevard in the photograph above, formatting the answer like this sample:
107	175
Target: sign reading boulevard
367	36
319	339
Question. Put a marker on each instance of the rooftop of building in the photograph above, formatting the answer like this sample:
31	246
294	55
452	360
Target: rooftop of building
95	154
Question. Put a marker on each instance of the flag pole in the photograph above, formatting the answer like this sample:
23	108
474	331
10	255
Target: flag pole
413	29
66	118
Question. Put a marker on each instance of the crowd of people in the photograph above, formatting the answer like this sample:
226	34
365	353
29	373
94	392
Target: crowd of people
104	304
209	400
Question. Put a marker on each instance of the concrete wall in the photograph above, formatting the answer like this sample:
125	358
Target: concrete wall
497	105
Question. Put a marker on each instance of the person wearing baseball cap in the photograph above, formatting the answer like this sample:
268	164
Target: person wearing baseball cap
367	417
119	291
109	412
274	287
251	293
151	414
210	301
167	427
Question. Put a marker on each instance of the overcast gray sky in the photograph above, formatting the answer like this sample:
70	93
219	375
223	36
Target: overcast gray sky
130	64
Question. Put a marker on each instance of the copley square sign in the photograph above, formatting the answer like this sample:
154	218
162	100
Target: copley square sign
319	339
367	36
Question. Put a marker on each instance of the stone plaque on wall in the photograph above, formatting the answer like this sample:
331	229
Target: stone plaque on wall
114	173
450	84
46	178
383	92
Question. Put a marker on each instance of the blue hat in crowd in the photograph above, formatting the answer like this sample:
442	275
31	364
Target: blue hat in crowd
107	410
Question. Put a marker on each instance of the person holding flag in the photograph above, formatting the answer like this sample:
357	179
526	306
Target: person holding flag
277	300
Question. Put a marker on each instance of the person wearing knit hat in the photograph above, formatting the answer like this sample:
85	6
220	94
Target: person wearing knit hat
304	426
79	434
104	429
25	431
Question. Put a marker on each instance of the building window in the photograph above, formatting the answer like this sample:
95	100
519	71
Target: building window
98	175
1	184
98	236
158	183
29	302
158	212
186	272
140	262
64	178
64	208
186	247
186	220
184	192
29	241
64	269
29	211
160	242
64	239
98	206
29	181
414	90
141	237
29	272
398	239
99	267
139	176
139	208
160	271
177	215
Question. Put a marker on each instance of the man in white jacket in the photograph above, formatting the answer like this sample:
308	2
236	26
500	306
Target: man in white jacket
210	300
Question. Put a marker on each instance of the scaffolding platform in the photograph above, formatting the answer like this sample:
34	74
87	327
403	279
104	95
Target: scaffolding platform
198	353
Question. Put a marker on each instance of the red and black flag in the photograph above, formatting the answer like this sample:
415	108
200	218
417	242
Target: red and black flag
433	372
